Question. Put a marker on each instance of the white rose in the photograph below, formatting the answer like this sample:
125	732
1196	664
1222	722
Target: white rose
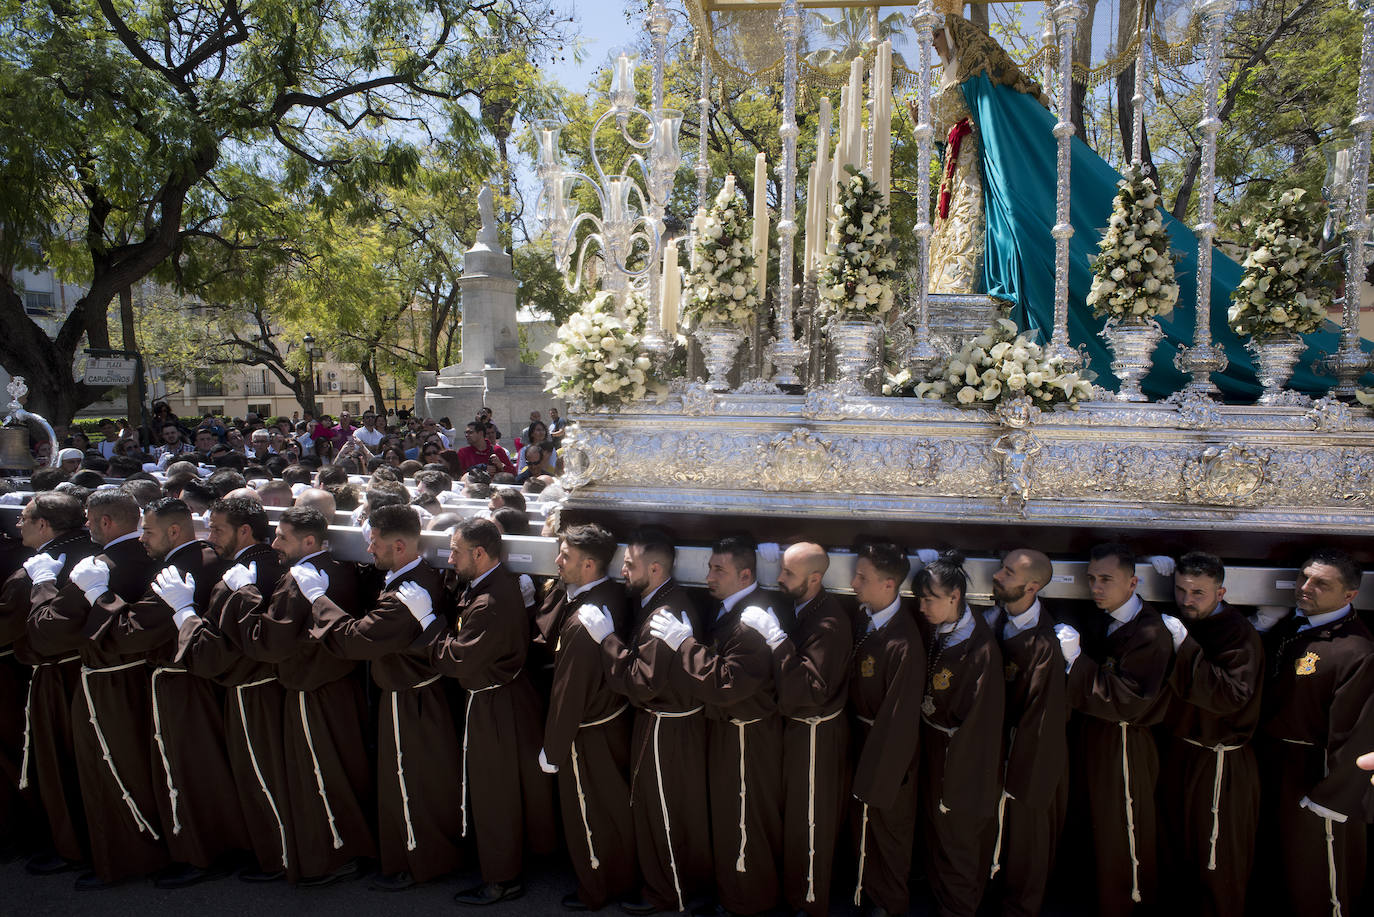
967	395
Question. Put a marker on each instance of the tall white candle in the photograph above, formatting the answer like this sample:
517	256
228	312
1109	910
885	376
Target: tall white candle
729	186
672	290
854	146
842	125
882	120
761	224
820	202
809	242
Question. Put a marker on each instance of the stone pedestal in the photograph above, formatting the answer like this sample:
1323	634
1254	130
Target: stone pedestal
490	372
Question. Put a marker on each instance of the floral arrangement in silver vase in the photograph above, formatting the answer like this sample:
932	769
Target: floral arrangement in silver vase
858	275
1001	364
597	358
719	283
1287	285
1133	273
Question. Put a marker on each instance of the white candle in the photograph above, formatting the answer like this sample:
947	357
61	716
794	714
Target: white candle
761	224
854	146
729	186
882	120
809	242
672	290
820	202
842	123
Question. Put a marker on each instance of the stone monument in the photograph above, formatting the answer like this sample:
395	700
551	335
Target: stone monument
490	372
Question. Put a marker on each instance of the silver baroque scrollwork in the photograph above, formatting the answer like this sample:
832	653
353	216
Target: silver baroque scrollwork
1196	411
1330	415
1227	476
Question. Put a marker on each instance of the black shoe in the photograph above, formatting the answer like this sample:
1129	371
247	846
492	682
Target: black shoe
638	907
490	893
350	870
260	875
396	882
90	882
573	903
710	910
50	865
184	875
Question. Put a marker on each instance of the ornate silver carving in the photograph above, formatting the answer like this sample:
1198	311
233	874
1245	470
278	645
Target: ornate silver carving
719	343
1066	14
1133	345
857	346
1330	415
1275	359
785	353
1228	476
921	353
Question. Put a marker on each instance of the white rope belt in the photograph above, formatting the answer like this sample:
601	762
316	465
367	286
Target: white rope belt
86	672
811	722
867	721
28	722
1221	751
400	762
319	775
4	653
605	719
577	780
659	717
947	730
743	831
1331	867
463	776
1130	814
253	756
863	856
1001	821
161	745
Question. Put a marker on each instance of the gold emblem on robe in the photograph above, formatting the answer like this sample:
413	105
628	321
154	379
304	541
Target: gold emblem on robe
1307	665
1012	670
940	680
867	667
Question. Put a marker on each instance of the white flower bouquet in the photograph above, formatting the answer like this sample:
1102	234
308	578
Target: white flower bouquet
1287	285
719	284
597	356
858	276
1133	273
1000	364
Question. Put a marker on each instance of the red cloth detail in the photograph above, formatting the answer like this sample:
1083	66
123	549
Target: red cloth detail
957	133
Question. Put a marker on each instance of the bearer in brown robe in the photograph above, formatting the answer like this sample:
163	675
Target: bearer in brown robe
212	643
111	713
668	798
1035	743
1317	719
53	525
587	731
201	823
732	674
1120	684
329	788
961	718
504	799
20	822
811	670
1209	780
885	689
417	745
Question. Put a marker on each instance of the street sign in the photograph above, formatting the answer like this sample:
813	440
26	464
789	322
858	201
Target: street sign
110	371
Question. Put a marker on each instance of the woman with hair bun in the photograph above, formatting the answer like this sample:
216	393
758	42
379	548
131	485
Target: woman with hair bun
961	732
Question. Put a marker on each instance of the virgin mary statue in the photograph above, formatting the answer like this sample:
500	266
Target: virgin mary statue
996	209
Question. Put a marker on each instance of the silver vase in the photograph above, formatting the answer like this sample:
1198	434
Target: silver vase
857	348
1275	359
1133	343
719	344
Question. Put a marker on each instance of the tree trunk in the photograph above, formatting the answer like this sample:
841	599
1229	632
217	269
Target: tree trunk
368	368
1082	58
133	394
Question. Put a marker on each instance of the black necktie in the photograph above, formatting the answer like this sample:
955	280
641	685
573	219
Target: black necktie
1298	622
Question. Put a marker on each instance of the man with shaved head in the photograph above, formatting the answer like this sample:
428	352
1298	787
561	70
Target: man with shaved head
811	670
1031	812
315	498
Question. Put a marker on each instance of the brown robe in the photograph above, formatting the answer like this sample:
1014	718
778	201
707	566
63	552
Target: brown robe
1214	709
21	824
1121	686
1317	718
811	670
587	737
56	680
329	783
201	822
418	821
1035	747
213	646
959	786
668	799
111	716
885	690
505	800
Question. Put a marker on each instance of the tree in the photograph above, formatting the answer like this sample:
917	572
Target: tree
123	125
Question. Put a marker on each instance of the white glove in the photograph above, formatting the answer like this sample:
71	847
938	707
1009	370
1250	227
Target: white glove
765	622
669	629
596	621
544	764
177	591
1176	630
417	599
238	576
1323	811
1069	644
92	576
526	590
770	552
927	556
1163	564
1266	616
313	582
43	568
